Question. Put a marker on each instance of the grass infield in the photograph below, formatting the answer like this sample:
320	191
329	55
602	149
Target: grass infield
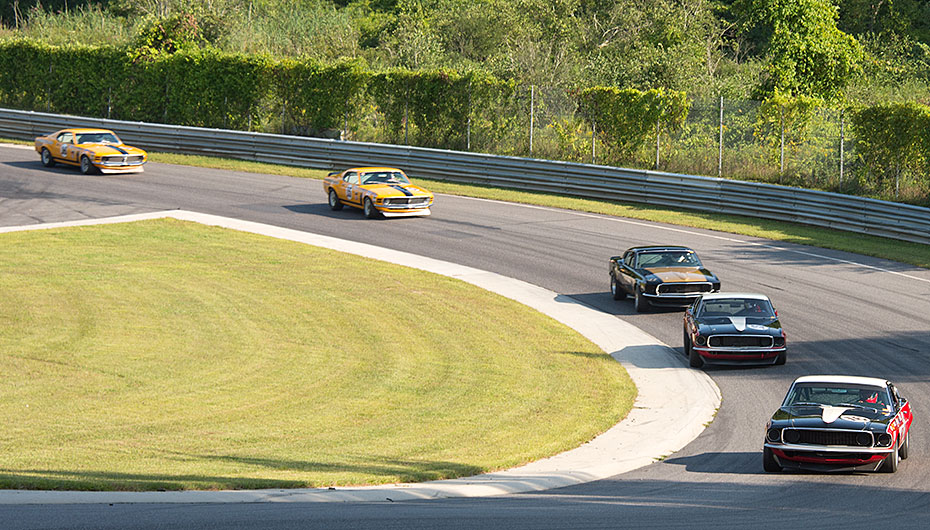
171	355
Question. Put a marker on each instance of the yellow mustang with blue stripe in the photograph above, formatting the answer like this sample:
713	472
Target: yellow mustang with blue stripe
378	191
92	150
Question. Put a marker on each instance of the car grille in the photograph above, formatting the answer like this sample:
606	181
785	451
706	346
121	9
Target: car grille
677	288
740	341
814	437
406	202
122	160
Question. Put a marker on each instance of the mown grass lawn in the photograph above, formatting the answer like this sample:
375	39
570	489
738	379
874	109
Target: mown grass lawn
903	251
170	355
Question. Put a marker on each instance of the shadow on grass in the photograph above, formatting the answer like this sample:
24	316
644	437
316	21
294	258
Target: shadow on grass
394	470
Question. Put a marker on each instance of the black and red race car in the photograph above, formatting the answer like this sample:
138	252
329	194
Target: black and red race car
837	422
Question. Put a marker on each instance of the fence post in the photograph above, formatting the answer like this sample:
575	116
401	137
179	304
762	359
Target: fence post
657	143
720	142
532	116
109	101
842	141
781	149
593	140
468	122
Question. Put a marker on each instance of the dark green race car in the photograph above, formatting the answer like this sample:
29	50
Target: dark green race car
660	276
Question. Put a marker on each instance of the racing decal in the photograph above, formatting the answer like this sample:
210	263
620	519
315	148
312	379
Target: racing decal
121	150
402	189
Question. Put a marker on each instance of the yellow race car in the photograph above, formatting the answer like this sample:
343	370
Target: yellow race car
378	191
92	150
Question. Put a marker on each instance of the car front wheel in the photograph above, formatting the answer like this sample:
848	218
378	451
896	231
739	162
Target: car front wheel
902	451
639	301
334	203
47	159
686	344
86	167
769	464
615	290
781	358
370	211
890	463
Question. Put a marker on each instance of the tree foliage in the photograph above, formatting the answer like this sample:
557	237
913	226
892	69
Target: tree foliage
892	138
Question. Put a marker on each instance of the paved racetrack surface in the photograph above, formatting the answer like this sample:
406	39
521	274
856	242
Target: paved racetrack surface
844	313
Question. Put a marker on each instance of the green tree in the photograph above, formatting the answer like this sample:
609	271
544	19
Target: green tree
806	53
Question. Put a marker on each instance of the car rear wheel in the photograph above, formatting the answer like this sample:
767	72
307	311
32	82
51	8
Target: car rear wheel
86	167
47	159
902	451
370	211
639	301
334	203
769	464
890	463
615	290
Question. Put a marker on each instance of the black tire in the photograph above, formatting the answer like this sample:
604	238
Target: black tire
686	343
694	358
769	464
87	167
369	208
890	463
782	358
615	290
639	301
902	450
334	203
47	159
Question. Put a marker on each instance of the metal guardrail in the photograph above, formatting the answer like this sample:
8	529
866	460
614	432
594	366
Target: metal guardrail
817	208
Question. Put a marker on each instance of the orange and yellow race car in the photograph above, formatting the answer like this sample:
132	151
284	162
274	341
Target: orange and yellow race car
378	191
91	150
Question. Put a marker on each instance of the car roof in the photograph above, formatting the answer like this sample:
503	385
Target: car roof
82	130
727	296
653	248
851	379
373	168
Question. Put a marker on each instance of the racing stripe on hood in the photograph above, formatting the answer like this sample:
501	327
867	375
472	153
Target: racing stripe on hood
405	191
120	149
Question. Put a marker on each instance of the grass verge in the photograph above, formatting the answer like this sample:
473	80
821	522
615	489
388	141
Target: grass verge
171	355
880	247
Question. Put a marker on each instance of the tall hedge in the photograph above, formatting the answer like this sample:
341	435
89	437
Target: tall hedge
626	118
893	138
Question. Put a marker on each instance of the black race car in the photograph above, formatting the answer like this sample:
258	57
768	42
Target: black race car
733	328
660	276
836	422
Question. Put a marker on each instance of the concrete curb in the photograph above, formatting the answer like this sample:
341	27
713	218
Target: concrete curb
674	404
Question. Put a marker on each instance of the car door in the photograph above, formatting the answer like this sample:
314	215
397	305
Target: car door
350	187
627	272
65	146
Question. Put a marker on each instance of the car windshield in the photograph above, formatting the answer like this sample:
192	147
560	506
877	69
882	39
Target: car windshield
388	177
736	307
97	138
838	395
668	258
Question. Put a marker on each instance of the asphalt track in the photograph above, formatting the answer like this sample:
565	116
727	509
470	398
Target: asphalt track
844	313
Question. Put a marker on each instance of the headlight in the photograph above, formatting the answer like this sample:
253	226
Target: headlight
700	340
778	342
864	439
791	436
773	435
884	440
